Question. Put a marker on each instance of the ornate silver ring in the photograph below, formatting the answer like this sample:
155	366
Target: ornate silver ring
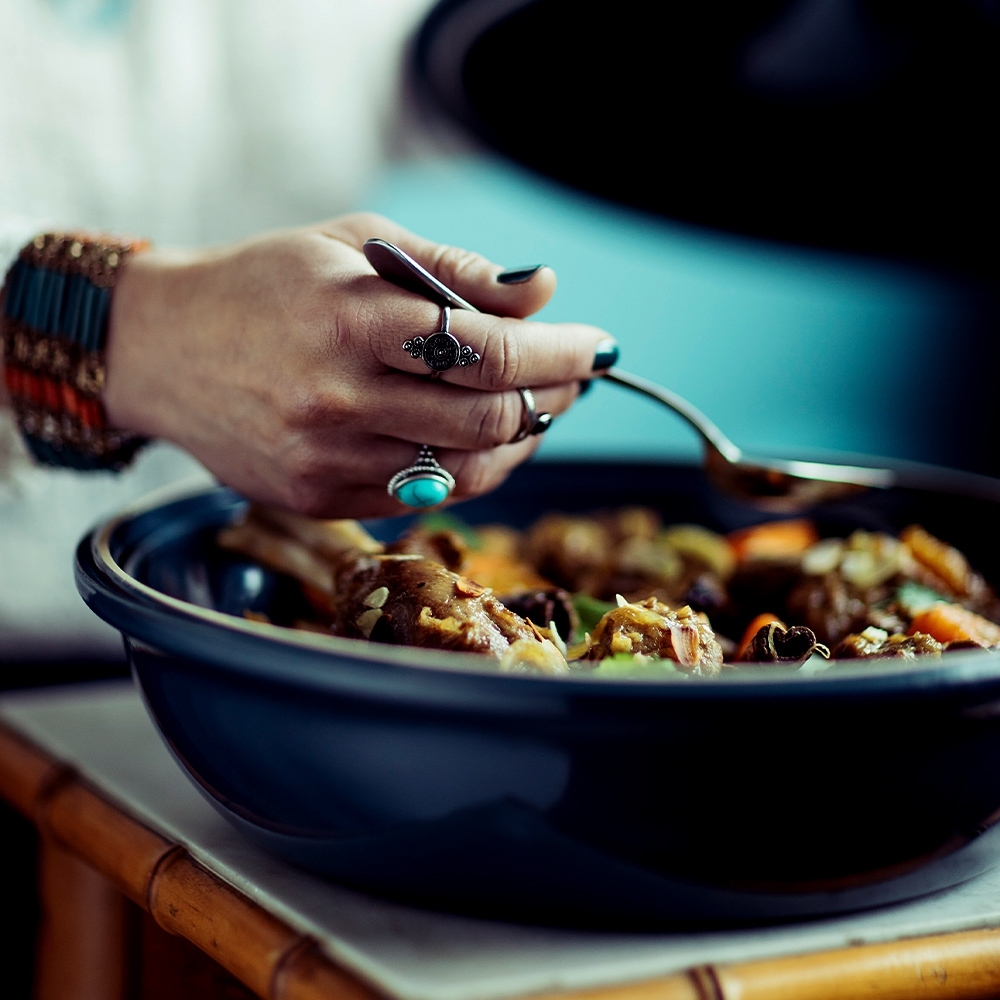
532	422
423	484
441	351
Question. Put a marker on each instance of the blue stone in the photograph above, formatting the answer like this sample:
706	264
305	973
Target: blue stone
423	492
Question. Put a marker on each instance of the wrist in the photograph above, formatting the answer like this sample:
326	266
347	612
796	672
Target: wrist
144	327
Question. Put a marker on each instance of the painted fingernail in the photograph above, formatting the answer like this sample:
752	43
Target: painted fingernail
585	386
518	275
606	355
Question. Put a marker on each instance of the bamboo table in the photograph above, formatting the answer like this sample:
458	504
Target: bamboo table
136	869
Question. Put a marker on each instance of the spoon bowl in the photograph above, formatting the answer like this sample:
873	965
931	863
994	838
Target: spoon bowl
778	485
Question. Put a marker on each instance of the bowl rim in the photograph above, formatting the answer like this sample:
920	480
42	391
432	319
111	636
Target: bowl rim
952	670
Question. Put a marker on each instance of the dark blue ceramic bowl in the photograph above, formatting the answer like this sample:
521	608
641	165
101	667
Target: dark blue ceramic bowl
425	777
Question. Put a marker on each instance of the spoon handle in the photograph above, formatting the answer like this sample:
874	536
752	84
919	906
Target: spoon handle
711	434
401	269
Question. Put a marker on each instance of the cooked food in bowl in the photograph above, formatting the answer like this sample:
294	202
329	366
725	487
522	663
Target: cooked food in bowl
656	800
618	593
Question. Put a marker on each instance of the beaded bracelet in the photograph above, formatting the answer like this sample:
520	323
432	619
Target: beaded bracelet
54	309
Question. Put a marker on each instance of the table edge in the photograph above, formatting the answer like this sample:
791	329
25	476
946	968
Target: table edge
278	962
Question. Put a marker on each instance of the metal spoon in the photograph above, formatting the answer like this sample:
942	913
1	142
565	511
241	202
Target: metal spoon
774	484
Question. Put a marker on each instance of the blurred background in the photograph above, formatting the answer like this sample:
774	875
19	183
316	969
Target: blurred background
785	210
789	349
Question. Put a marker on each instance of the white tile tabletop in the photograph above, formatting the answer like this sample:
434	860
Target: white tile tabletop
103	730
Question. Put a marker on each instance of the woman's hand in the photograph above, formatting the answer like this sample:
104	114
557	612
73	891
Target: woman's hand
279	364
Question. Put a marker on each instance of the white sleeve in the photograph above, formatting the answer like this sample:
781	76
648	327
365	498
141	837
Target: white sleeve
43	514
15	231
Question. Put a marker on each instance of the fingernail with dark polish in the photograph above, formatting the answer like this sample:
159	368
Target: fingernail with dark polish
585	387
606	355
518	275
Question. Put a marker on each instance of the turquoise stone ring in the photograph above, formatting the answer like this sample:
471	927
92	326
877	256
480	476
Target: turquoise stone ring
423	484
422	492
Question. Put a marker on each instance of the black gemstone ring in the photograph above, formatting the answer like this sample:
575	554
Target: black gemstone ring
441	351
532	422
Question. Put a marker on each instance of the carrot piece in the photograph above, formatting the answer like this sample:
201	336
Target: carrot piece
502	574
943	560
953	623
774	540
752	629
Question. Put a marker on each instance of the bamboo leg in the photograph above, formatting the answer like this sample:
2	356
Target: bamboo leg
85	940
173	968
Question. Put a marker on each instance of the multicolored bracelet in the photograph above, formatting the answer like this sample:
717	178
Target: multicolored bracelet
54	309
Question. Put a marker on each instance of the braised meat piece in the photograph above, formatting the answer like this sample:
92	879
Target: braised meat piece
544	607
830	606
394	597
413	601
445	547
651	629
629	552
603	554
876	644
493	561
573	552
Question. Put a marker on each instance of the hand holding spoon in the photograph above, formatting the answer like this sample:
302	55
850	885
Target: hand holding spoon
775	484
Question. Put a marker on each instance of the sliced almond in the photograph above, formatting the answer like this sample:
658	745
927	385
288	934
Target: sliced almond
465	587
557	638
685	640
377	597
366	621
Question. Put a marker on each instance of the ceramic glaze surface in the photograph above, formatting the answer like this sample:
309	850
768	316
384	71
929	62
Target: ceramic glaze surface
581	801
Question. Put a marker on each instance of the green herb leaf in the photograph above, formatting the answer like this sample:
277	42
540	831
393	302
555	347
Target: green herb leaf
627	665
590	610
915	597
